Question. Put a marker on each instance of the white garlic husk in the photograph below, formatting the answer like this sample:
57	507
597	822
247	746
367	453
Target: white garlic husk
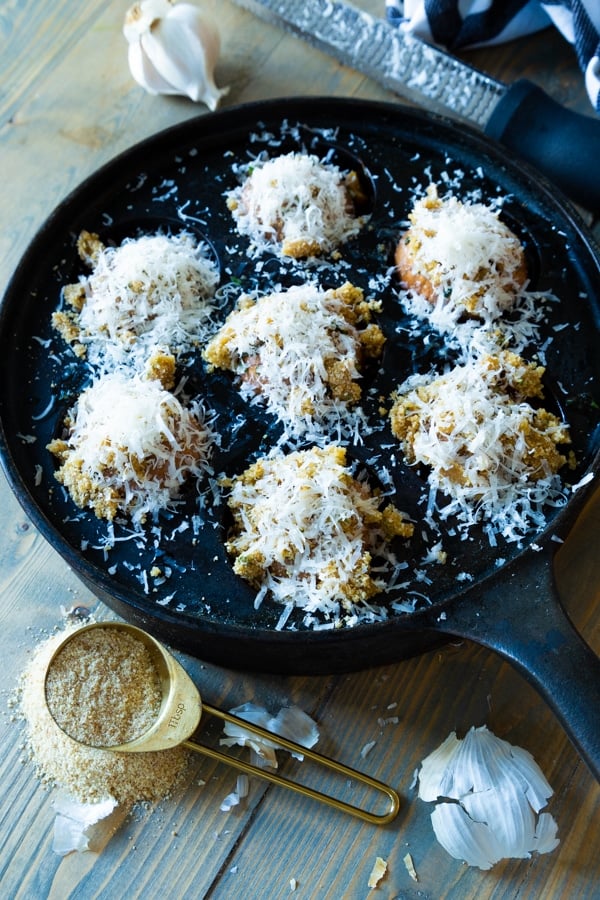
173	49
74	820
290	722
488	796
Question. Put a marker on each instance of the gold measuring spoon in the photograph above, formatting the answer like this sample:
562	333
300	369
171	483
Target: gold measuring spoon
179	715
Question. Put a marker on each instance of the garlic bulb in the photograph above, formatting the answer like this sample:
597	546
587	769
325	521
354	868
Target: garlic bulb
488	794
173	49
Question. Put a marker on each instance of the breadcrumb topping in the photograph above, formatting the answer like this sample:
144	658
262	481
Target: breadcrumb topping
300	351
130	447
88	774
461	255
154	290
489	449
306	531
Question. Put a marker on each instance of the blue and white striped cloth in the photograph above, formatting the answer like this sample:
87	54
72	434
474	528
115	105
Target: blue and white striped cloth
455	24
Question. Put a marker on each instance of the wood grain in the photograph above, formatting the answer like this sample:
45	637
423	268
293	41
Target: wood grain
67	105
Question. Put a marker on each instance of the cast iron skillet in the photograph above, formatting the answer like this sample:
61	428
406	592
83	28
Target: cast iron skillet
500	596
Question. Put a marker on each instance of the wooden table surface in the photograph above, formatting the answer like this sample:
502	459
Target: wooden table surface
68	104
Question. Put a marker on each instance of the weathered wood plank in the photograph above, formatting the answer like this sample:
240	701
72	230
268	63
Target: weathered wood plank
52	141
34	36
431	697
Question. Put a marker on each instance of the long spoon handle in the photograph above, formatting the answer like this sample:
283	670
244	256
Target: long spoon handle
340	769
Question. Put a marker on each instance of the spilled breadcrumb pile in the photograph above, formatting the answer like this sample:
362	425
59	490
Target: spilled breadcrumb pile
87	774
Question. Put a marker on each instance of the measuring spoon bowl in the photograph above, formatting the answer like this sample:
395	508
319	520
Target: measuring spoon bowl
179	716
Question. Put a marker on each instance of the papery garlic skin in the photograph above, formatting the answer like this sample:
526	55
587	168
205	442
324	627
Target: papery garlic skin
489	794
290	722
73	821
173	49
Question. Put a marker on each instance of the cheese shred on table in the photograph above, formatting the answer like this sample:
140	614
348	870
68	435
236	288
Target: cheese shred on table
491	452
131	446
298	204
306	531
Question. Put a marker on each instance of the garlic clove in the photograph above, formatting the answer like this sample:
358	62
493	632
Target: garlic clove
145	73
178	68
189	16
173	49
489	794
196	54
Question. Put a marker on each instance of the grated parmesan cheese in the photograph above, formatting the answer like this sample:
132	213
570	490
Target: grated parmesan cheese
300	352
131	446
461	256
490	451
298	204
155	290
305	531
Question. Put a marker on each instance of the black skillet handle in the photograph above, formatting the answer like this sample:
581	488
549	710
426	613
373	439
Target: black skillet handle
564	145
520	616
